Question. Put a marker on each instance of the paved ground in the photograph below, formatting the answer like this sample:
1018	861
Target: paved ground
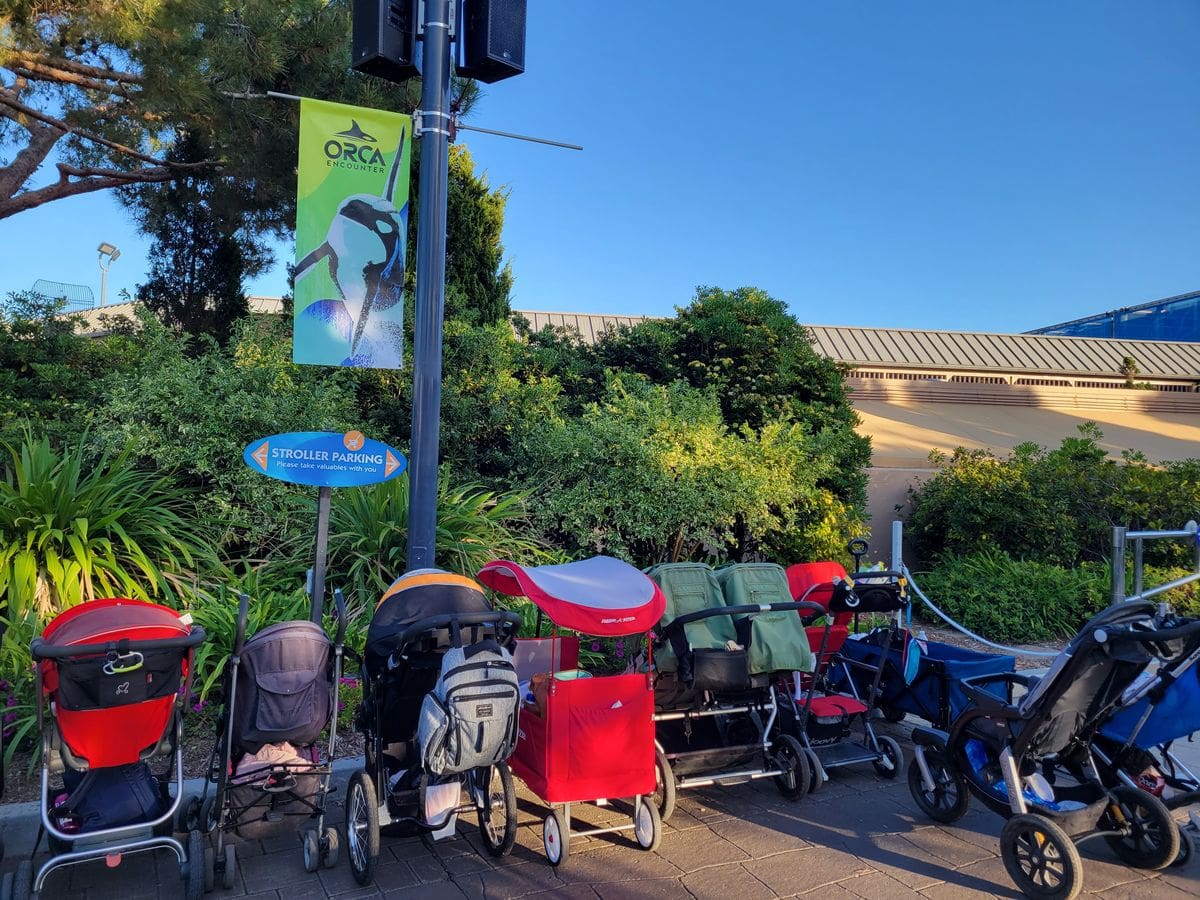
859	837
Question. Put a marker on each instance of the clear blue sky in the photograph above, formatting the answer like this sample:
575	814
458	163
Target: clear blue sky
962	165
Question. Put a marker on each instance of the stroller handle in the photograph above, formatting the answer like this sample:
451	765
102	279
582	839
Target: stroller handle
41	650
339	606
461	620
1162	635
746	609
239	640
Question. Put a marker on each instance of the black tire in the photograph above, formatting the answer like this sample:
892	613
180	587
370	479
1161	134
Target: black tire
949	799
1040	858
22	885
1153	838
647	824
208	815
210	869
556	840
362	827
498	820
330	845
193	869
229	872
892	714
311	846
1187	847
790	757
664	786
189	813
893	758
816	779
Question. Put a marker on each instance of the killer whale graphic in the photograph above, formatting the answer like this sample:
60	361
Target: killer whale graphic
355	132
365	246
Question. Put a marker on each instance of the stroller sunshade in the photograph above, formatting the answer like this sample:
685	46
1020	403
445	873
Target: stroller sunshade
418	596
600	596
283	689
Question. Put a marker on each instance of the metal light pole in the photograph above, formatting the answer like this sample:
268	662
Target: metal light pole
113	254
434	118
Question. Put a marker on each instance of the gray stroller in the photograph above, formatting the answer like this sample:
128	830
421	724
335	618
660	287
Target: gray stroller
268	765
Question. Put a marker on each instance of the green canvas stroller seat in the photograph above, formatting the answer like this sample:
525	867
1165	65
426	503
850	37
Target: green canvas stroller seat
777	640
690	588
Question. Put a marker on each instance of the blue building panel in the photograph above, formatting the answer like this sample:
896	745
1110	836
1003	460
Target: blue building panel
1172	319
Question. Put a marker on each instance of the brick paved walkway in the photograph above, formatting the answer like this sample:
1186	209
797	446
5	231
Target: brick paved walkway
859	837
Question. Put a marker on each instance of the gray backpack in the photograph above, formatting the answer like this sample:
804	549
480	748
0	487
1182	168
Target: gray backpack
469	719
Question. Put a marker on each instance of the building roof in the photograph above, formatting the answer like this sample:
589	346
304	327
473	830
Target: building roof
1020	353
589	326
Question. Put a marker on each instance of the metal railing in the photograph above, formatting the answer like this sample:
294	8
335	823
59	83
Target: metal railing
1122	537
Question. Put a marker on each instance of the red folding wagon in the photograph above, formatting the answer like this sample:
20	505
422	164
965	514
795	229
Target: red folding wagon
586	739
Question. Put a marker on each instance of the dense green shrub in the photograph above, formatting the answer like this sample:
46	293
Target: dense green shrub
1008	599
194	413
653	473
1054	506
75	525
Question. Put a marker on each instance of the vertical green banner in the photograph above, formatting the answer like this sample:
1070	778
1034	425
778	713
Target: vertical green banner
351	230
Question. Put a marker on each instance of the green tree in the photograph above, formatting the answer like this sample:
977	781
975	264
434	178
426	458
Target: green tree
201	252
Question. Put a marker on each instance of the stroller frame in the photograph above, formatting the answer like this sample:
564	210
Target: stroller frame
119	840
216	813
759	706
1038	840
883	752
370	800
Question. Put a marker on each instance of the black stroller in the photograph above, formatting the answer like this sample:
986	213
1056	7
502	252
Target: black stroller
280	695
1031	762
435	653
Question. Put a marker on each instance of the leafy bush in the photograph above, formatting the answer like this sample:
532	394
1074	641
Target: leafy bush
1008	599
368	533
1053	506
196	413
652	473
74	527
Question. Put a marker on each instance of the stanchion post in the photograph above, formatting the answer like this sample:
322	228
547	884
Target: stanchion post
897	546
1118	564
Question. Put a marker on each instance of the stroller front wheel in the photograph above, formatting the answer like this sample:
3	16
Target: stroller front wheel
556	838
498	814
647	824
1151	838
362	826
795	777
1040	858
892	760
948	800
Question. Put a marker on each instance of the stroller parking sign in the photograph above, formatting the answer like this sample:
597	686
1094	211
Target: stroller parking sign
324	459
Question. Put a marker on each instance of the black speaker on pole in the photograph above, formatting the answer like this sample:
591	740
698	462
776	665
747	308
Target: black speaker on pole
384	38
493	39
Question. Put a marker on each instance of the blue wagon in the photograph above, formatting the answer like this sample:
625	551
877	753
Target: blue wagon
936	693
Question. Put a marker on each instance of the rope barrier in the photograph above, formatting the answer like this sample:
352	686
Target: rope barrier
963	629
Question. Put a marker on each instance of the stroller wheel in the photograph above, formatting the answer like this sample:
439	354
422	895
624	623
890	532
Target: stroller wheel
312	851
229	871
647	824
193	869
664	785
893	758
817	777
210	869
498	815
189	813
1151	839
556	838
329	848
1186	847
948	800
795	776
362	826
892	714
1040	858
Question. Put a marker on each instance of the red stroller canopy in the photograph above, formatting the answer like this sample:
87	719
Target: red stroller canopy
600	596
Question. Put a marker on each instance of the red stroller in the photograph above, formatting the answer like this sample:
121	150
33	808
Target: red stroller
589	739
113	676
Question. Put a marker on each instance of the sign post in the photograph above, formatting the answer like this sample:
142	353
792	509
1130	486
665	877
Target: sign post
324	460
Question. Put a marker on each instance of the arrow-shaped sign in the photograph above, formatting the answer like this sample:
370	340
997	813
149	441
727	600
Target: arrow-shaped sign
390	463
260	455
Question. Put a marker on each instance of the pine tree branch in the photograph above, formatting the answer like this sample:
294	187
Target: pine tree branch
18	107
70	67
42	139
92	179
44	73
